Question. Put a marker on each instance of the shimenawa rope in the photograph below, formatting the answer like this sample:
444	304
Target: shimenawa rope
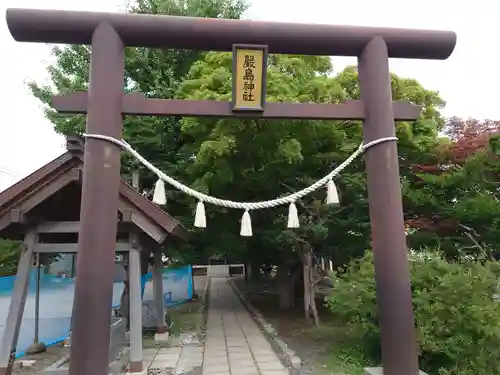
159	196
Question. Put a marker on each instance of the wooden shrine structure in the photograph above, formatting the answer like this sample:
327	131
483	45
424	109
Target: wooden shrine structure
43	211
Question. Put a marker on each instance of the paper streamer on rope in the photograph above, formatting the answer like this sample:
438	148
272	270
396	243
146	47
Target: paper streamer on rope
159	196
332	195
293	216
246	225
200	219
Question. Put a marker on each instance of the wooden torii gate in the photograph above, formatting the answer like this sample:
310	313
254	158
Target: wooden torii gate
105	104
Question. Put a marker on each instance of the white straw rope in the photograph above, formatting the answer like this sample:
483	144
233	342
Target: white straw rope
241	205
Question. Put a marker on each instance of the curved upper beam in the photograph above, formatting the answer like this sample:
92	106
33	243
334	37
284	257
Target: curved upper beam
140	30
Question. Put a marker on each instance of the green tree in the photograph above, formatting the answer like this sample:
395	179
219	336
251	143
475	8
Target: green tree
454	199
417	141
10	251
456	314
156	73
251	160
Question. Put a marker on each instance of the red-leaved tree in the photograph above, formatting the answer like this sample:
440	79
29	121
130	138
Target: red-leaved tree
452	201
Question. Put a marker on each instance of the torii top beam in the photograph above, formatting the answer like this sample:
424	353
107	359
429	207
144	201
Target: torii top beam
141	30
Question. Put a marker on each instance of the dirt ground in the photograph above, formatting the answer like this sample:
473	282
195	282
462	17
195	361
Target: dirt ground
43	360
188	319
326	350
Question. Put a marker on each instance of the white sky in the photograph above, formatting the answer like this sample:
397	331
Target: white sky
27	140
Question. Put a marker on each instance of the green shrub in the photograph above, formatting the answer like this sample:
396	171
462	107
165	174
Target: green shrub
457	319
10	252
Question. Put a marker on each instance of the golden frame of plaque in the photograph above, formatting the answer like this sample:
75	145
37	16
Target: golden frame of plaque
249	77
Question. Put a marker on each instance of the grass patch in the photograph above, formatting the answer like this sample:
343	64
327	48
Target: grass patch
327	350
341	353
345	360
186	318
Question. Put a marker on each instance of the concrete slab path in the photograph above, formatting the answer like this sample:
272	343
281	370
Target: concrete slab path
234	344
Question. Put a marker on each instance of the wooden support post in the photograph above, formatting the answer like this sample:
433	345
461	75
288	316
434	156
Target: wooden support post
161	325
392	275
17	303
37	299
99	206
37	346
134	269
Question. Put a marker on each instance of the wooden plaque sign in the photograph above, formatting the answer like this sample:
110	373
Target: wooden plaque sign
249	77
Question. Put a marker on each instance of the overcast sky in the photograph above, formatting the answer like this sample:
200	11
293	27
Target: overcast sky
468	81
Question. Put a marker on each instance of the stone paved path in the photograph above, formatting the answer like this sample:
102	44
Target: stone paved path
234	344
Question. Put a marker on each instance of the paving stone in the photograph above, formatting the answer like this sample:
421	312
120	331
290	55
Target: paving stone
217	361
167	357
233	340
147	364
214	369
215	354
196	357
239	363
275	365
163	364
147	359
274	372
245	371
265	358
236	355
215	348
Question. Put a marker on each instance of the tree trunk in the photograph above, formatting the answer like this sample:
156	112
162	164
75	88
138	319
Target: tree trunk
248	271
307	290
285	288
314	309
310	309
254	273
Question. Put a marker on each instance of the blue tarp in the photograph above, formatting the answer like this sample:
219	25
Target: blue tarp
177	285
56	302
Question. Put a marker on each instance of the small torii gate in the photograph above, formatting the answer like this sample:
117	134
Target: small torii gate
109	33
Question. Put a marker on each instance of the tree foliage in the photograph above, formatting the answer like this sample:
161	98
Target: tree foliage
10	252
155	72
251	160
455	312
454	197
